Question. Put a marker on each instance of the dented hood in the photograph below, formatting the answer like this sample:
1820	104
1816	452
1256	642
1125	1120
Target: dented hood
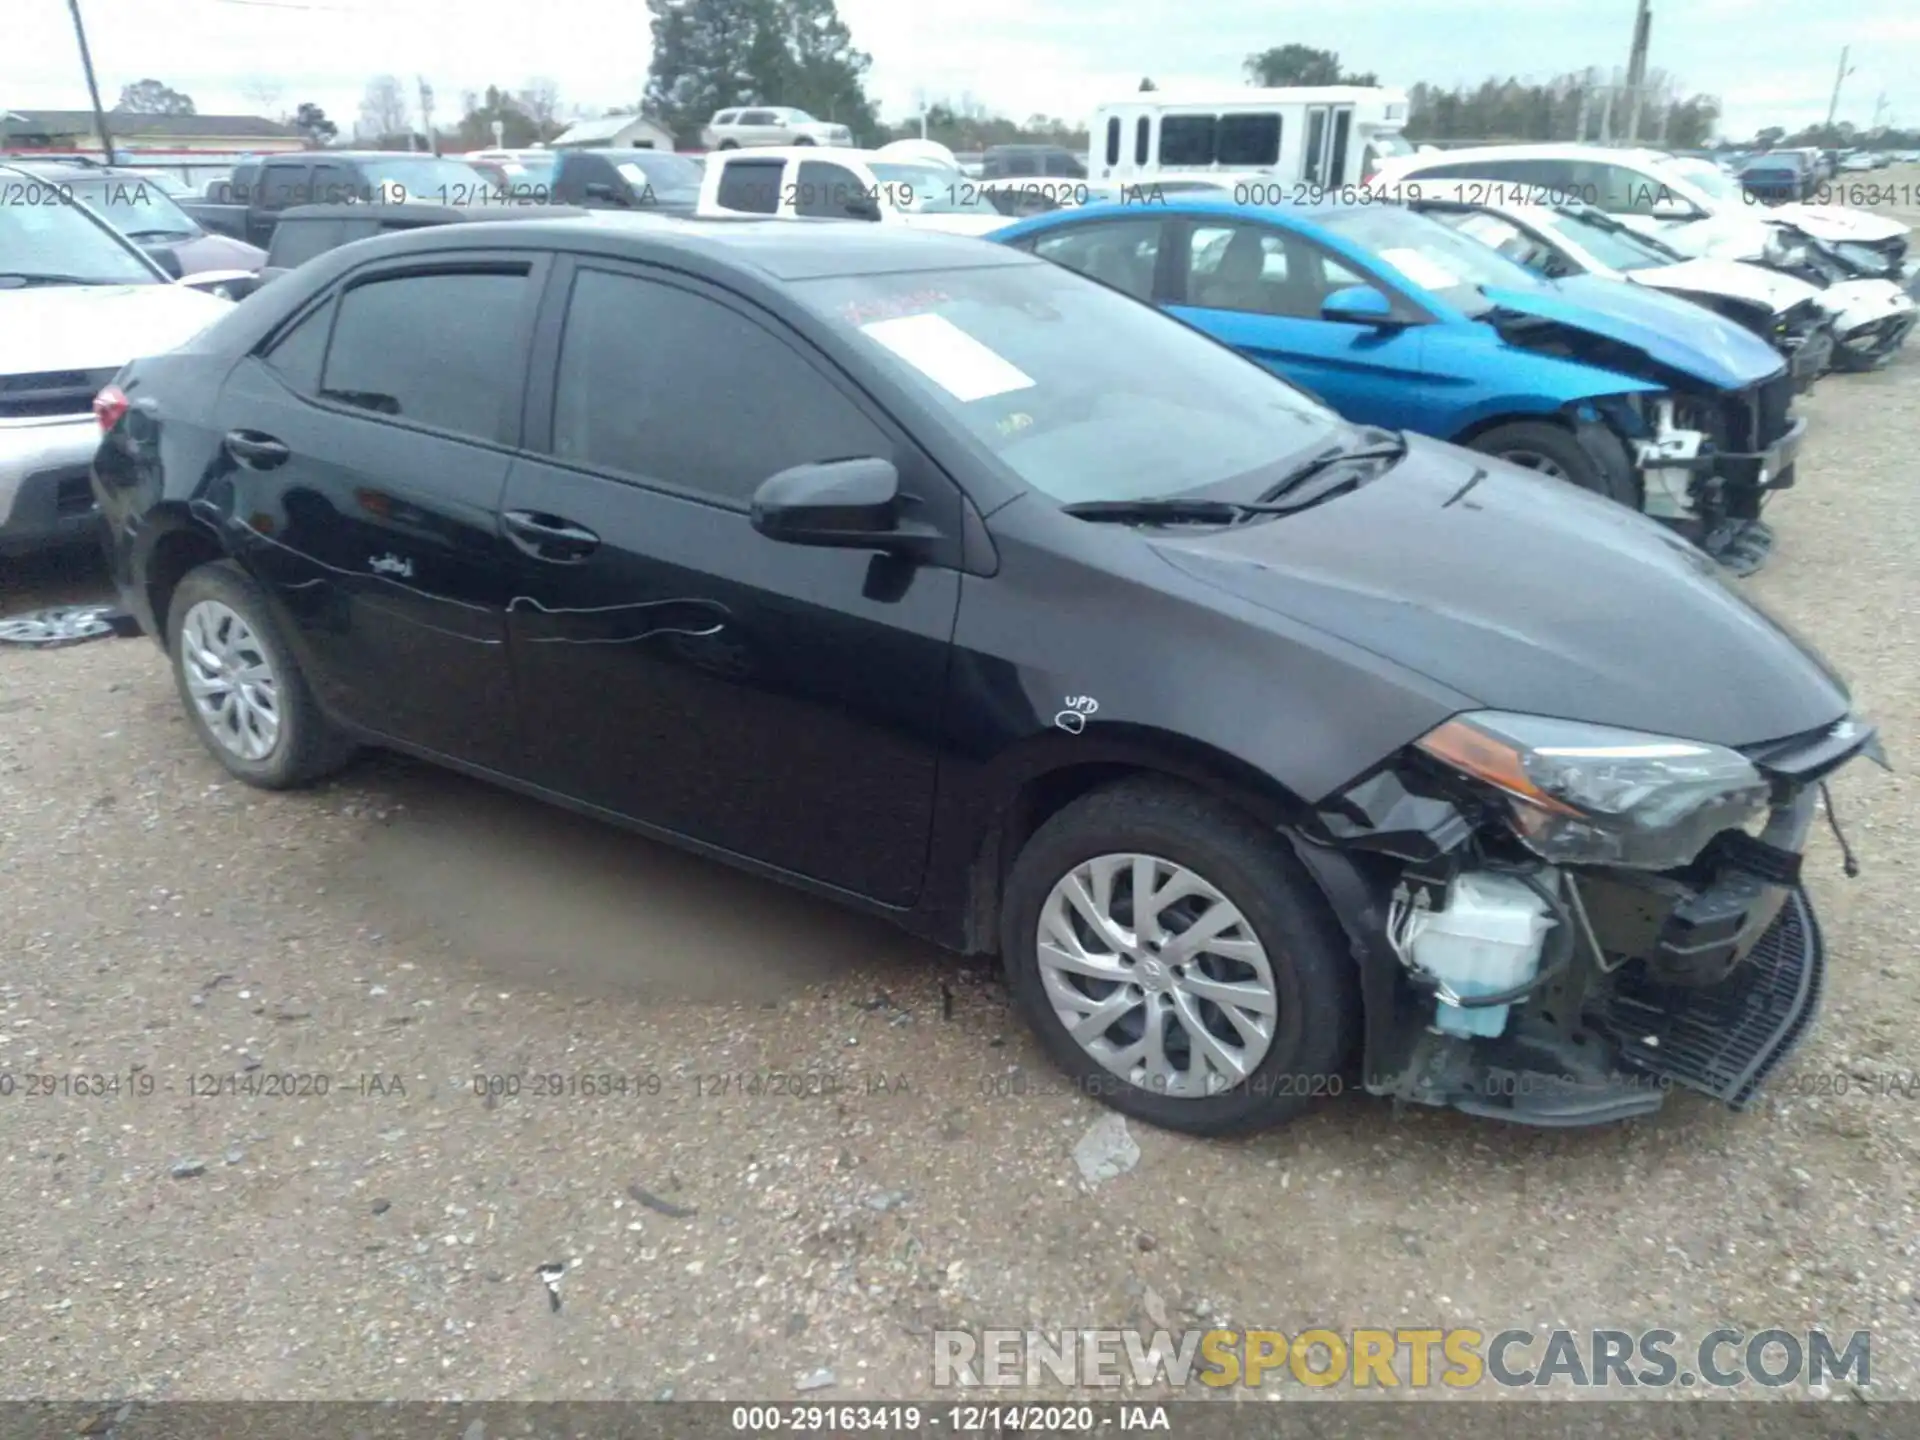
1527	594
1838	222
1672	334
1734	279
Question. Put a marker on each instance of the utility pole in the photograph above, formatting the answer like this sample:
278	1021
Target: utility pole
93	86
1586	105
1833	105
1637	67
426	115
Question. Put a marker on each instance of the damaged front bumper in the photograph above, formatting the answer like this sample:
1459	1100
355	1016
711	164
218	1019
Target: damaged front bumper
1703	979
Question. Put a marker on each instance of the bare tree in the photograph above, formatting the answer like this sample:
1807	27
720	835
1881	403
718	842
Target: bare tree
539	100
384	109
263	93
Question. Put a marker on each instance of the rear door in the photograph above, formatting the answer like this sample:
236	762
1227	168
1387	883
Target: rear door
1260	289
778	702
367	445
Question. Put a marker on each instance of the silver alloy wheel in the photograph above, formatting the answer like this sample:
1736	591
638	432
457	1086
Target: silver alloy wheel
1534	460
1157	975
231	681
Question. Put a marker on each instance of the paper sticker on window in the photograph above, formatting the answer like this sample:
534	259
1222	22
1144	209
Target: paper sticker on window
948	356
1419	269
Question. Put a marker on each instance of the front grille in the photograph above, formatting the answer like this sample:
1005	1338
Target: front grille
1725	1040
51	393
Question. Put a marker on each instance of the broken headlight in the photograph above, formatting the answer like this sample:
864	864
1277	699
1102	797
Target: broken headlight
1582	794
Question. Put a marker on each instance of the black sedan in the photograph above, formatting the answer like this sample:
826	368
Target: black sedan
945	582
136	206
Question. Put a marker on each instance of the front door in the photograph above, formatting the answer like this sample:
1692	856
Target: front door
779	702
364	456
1260	290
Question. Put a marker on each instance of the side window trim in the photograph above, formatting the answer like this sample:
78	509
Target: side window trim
543	356
263	352
537	265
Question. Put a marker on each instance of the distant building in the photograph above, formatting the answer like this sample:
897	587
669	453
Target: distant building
615	132
146	139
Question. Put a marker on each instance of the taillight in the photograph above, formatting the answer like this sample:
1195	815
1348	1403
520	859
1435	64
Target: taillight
108	406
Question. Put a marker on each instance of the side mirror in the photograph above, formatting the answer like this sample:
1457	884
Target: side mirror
168	261
844	504
863	207
1357	305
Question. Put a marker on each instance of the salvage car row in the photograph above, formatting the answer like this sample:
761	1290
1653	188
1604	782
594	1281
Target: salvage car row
980	586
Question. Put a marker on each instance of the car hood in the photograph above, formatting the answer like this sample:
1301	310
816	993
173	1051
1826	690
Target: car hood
1731	278
1671	333
1527	595
92	327
1855	303
1839	222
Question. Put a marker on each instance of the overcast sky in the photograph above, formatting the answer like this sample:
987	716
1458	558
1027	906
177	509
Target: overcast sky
1770	61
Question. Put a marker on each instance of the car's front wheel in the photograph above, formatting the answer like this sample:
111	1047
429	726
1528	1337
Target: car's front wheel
1177	962
1557	453
241	687
729	145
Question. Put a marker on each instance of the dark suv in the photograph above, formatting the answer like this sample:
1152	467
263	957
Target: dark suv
1003	162
627	180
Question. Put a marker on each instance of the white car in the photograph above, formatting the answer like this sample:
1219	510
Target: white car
1803	319
1694	205
77	302
758	125
1859	160
822	183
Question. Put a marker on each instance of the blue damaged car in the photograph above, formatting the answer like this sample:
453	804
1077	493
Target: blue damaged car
1396	320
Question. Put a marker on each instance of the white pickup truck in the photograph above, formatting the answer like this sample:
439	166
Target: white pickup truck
812	182
77	302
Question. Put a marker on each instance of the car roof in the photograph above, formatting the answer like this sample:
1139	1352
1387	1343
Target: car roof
424	214
809	152
1523	152
775	249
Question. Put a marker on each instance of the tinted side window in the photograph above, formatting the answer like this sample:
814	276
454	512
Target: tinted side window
1065	165
1258	271
824	190
281	186
751	186
1113	141
1119	253
1141	129
673	388
298	240
759	117
433	349
335	185
1249	139
297	354
1187	139
725	117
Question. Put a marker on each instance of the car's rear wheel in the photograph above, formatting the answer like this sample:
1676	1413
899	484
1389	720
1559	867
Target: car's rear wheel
804	140
1175	959
729	145
1557	453
242	689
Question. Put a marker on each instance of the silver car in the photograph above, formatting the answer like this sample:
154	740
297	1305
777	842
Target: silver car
747	126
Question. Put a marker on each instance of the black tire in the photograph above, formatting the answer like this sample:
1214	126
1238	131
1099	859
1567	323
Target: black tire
729	145
804	140
1560	446
307	746
1848	360
1319	1002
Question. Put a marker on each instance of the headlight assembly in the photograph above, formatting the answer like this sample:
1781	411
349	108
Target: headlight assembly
1591	795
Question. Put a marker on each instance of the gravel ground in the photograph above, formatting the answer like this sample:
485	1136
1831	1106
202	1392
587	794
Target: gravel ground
402	932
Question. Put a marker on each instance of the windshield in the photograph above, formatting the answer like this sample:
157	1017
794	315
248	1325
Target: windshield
135	206
1706	177
1080	391
1614	245
930	190
670	176
53	240
1429	254
426	178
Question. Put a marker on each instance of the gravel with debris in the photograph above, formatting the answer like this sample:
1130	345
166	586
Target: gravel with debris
418	1090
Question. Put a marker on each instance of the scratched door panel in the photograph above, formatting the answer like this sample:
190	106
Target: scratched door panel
381	544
